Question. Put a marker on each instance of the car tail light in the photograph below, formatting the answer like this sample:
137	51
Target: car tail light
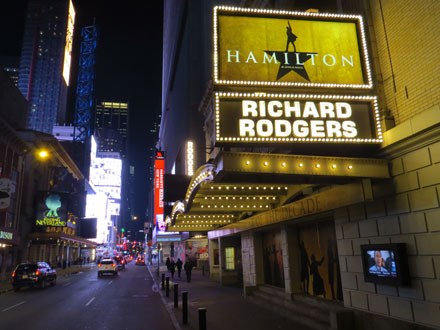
99	265
114	265
13	274
37	272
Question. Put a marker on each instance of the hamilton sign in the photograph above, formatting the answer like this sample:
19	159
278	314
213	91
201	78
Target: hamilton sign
285	118
274	48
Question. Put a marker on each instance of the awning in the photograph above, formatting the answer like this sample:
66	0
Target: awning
240	185
38	237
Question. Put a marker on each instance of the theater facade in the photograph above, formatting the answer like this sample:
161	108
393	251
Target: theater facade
316	165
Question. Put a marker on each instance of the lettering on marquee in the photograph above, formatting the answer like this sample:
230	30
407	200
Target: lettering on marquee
296	118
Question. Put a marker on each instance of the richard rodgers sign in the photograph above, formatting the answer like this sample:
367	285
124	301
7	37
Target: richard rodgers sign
285	118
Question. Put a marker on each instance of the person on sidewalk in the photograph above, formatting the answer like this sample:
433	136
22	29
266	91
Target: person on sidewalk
179	265
167	263
188	269
172	268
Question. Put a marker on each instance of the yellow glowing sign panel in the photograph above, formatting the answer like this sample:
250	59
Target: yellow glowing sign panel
260	47
69	41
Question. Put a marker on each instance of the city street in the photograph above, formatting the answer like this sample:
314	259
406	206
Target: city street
82	301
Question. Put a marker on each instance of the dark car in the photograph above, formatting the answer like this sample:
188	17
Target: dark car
35	274
120	261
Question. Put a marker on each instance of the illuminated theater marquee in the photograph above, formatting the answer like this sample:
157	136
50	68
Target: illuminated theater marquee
259	47
277	118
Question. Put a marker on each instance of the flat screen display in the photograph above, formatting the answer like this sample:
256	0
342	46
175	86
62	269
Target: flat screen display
385	263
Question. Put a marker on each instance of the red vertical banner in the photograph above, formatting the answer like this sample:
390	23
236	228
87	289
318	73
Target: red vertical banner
159	169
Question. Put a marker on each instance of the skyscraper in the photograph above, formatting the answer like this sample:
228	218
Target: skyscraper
10	65
111	124
45	61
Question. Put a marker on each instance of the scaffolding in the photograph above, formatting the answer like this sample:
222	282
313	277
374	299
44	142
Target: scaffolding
85	85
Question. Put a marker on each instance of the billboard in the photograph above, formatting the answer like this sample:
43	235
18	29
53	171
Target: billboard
105	175
159	169
52	213
259	47
52	209
69	42
88	227
260	118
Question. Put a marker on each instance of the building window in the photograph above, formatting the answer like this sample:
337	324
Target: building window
230	258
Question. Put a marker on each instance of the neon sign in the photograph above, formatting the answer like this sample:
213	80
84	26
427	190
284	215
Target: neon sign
286	118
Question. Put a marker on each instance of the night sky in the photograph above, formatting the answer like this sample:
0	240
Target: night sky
128	67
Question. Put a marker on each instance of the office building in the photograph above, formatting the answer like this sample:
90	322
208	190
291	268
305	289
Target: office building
10	65
44	70
111	126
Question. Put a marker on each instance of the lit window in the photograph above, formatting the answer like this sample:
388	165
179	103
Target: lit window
230	258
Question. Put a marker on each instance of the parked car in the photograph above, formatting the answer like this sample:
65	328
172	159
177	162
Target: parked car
107	266
33	274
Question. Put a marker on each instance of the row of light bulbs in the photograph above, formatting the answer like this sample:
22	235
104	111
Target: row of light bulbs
196	181
206	221
186	226
261	206
250	188
296	96
293	139
295	84
216	216
283	12
301	165
241	197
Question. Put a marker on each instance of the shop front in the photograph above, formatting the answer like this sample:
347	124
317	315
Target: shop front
59	249
9	240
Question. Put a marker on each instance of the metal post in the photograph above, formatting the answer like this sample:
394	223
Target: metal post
163	281
167	286
176	295
202	318
185	307
158	259
158	264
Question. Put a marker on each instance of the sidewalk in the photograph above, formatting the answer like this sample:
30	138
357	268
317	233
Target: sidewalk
5	284
226	308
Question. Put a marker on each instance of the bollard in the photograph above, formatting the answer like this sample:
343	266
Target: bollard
163	281
167	287
202	318
185	307
176	295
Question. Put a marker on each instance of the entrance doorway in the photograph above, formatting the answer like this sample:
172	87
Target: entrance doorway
320	271
273	258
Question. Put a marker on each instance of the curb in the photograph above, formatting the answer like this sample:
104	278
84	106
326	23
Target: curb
166	305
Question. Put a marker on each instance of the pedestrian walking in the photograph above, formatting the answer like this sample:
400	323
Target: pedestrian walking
179	265
188	269
167	263
172	268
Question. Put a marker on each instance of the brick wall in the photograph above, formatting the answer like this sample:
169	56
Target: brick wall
411	214
407	42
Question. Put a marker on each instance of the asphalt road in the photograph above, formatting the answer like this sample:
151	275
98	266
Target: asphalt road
82	301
